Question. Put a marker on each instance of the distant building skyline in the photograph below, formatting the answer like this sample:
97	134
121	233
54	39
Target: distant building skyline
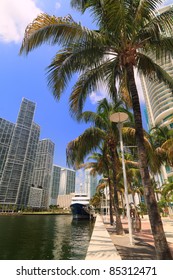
25	161
28	176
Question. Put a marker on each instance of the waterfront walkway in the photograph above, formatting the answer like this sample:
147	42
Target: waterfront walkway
101	246
143	248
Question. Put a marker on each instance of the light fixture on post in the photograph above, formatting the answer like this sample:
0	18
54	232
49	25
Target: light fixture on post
119	118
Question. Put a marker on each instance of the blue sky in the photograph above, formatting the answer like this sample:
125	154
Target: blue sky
25	76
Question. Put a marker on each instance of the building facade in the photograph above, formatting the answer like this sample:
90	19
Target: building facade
43	169
6	132
16	175
90	183
158	97
66	187
67	181
55	183
159	105
35	197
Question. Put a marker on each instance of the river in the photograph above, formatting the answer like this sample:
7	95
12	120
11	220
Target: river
44	237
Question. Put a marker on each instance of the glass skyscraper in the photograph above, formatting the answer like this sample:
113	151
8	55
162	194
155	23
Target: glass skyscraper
90	183
6	132
159	104
66	187
16	175
55	183
67	181
43	168
158	97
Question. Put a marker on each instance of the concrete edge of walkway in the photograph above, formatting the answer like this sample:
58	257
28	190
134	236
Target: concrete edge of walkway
101	246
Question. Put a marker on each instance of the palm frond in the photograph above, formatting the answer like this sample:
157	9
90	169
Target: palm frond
153	71
93	118
54	30
88	81
77	149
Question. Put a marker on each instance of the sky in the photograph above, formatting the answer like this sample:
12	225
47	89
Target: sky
25	76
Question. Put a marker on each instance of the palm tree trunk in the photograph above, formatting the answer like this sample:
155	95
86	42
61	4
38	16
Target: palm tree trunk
110	202
110	192
119	227
161	246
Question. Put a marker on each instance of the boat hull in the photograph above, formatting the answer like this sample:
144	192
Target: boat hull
79	212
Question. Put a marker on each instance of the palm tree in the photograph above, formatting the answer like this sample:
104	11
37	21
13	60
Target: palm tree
100	164
128	32
96	199
162	140
102	132
166	197
167	192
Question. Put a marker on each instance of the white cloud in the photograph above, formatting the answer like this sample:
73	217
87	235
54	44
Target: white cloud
15	15
95	96
57	5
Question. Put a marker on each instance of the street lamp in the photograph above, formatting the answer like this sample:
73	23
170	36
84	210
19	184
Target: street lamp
119	118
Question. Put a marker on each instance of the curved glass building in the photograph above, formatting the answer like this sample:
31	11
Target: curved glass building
159	102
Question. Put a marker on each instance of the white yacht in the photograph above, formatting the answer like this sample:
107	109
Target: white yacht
80	207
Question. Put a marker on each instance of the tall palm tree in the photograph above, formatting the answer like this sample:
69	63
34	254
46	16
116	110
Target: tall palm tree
102	131
128	32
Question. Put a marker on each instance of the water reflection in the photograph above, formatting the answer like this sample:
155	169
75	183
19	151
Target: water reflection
43	237
72	239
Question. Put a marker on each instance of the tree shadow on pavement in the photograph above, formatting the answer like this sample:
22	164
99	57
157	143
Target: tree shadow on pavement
140	251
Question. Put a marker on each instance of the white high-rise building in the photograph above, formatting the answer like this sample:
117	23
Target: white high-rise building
67	181
43	169
159	104
18	145
66	187
90	183
54	185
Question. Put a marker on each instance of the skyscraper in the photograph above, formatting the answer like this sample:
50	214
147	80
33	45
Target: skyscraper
17	171
159	104
90	183
158	97
67	181
66	187
55	183
6	132
43	168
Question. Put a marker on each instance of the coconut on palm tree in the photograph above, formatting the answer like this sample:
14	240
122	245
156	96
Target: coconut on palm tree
128	32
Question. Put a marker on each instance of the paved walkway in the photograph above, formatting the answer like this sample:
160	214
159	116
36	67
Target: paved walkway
105	244
101	246
143	248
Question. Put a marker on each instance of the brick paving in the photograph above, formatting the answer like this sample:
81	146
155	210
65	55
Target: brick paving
143	248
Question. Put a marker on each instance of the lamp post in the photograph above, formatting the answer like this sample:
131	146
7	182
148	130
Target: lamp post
119	118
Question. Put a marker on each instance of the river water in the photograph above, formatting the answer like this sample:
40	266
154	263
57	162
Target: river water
44	237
